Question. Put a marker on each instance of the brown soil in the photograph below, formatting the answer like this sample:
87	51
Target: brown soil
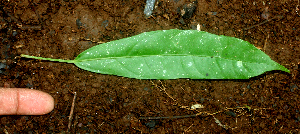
112	104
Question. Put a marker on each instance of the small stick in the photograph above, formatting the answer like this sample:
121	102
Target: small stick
72	111
169	117
193	115
26	27
188	128
278	16
87	39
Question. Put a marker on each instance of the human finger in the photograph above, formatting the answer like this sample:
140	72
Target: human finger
22	101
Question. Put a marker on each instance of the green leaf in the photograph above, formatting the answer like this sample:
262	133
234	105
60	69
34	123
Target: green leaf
172	54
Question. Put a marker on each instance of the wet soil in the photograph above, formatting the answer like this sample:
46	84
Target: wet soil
268	103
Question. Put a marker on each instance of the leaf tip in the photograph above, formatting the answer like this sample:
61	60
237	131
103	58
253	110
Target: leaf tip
287	70
284	69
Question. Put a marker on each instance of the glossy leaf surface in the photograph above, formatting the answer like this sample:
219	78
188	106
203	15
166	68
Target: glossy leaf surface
172	54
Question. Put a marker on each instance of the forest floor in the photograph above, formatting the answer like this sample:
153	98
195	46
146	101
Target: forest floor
268	103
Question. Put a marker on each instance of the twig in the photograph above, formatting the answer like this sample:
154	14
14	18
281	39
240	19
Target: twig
26	27
168	117
72	111
188	128
277	16
203	114
220	124
87	39
101	124
164	89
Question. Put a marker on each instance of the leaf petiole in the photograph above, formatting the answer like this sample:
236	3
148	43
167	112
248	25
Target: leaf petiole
49	59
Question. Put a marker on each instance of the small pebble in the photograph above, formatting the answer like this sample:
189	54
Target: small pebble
78	23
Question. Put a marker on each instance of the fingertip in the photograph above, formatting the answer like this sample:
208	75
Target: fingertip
22	101
34	102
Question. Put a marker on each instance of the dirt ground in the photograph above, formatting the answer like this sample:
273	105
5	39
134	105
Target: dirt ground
62	29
